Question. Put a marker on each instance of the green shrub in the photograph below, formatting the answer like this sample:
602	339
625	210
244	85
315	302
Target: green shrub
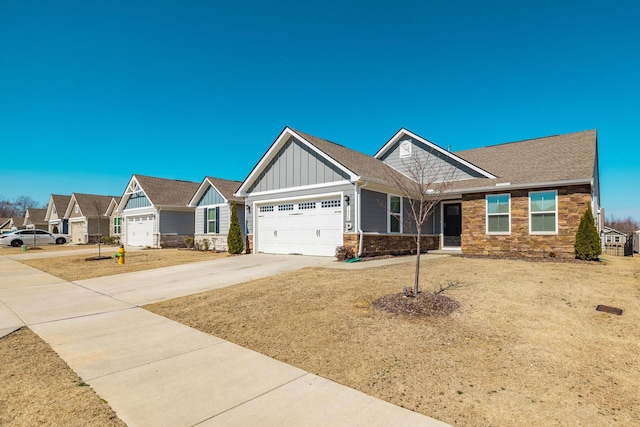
188	241
587	245
55	229
205	244
234	238
110	240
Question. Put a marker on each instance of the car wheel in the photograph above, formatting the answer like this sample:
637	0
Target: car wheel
16	243
61	241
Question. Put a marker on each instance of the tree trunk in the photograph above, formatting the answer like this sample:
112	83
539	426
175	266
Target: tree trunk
416	279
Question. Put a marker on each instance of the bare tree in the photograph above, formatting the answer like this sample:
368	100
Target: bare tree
100	207
7	208
22	203
625	225
423	183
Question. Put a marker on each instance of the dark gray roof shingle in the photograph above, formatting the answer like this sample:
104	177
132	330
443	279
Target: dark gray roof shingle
227	188
167	192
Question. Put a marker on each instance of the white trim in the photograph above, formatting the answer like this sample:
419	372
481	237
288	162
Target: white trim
201	192
543	233
486	215
307	197
524	186
398	136
274	149
449	202
301	188
389	214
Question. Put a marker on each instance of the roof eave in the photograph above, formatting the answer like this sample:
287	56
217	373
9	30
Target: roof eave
494	188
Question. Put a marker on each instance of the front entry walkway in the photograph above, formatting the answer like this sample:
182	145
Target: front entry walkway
156	372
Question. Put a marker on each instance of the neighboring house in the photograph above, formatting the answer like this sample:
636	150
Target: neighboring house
8	225
86	216
115	218
55	214
308	195
34	218
612	237
155	212
213	202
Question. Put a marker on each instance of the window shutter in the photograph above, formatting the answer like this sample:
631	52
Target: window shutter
217	220
206	220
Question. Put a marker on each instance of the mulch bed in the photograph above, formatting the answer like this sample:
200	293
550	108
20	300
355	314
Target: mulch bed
531	259
425	304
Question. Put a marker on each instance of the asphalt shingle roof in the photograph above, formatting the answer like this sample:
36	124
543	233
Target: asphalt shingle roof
227	188
92	205
36	216
61	202
366	166
167	192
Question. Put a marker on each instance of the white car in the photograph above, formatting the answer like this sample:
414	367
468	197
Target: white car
27	237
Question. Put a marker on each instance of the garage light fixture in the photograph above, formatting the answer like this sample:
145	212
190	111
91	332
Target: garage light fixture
346	199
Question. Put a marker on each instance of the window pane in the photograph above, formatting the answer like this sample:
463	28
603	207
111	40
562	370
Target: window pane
498	204
394	224
543	222
211	227
543	202
394	202
211	214
499	223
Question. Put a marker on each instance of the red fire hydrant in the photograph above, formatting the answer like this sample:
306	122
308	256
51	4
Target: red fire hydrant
120	255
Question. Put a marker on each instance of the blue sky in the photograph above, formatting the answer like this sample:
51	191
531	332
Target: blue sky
93	92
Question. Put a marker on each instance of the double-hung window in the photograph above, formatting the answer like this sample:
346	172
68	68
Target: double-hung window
395	214
117	225
543	212
212	220
499	214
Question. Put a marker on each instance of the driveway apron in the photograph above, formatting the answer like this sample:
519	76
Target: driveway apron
156	372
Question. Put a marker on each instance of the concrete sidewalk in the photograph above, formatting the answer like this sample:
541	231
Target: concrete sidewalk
157	372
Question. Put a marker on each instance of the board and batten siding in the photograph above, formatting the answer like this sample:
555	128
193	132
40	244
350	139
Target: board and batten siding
225	218
138	200
211	197
176	222
439	161
346	188
296	165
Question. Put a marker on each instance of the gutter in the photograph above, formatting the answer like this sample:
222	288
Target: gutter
508	186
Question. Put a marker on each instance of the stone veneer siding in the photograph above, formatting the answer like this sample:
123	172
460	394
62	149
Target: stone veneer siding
374	244
572	203
173	240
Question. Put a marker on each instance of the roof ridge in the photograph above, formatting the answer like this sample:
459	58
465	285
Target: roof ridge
527	140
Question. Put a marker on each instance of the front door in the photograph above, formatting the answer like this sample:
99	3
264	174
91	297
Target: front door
452	224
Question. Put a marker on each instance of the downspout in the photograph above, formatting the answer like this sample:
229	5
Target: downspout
359	216
158	224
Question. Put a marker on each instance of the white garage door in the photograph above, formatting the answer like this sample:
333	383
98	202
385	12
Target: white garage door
76	230
140	231
300	227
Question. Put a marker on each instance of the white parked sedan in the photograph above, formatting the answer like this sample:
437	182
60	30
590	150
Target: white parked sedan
28	237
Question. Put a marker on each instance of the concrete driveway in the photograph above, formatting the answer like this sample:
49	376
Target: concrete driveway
157	372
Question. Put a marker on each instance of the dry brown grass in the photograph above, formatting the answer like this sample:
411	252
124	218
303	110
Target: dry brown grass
38	388
51	248
526	345
77	268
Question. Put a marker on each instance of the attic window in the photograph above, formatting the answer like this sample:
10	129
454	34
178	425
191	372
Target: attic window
405	149
77	209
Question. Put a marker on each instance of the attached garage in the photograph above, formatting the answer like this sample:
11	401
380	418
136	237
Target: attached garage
77	231
139	230
306	227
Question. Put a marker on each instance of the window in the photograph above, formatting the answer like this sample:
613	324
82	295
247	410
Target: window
543	212
499	214
117	225
212	220
330	203
266	208
306	205
405	149
286	207
77	209
395	214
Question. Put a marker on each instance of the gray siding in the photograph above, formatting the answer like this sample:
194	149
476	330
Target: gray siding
176	222
225	218
375	212
346	188
441	164
296	166
138	200
211	197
